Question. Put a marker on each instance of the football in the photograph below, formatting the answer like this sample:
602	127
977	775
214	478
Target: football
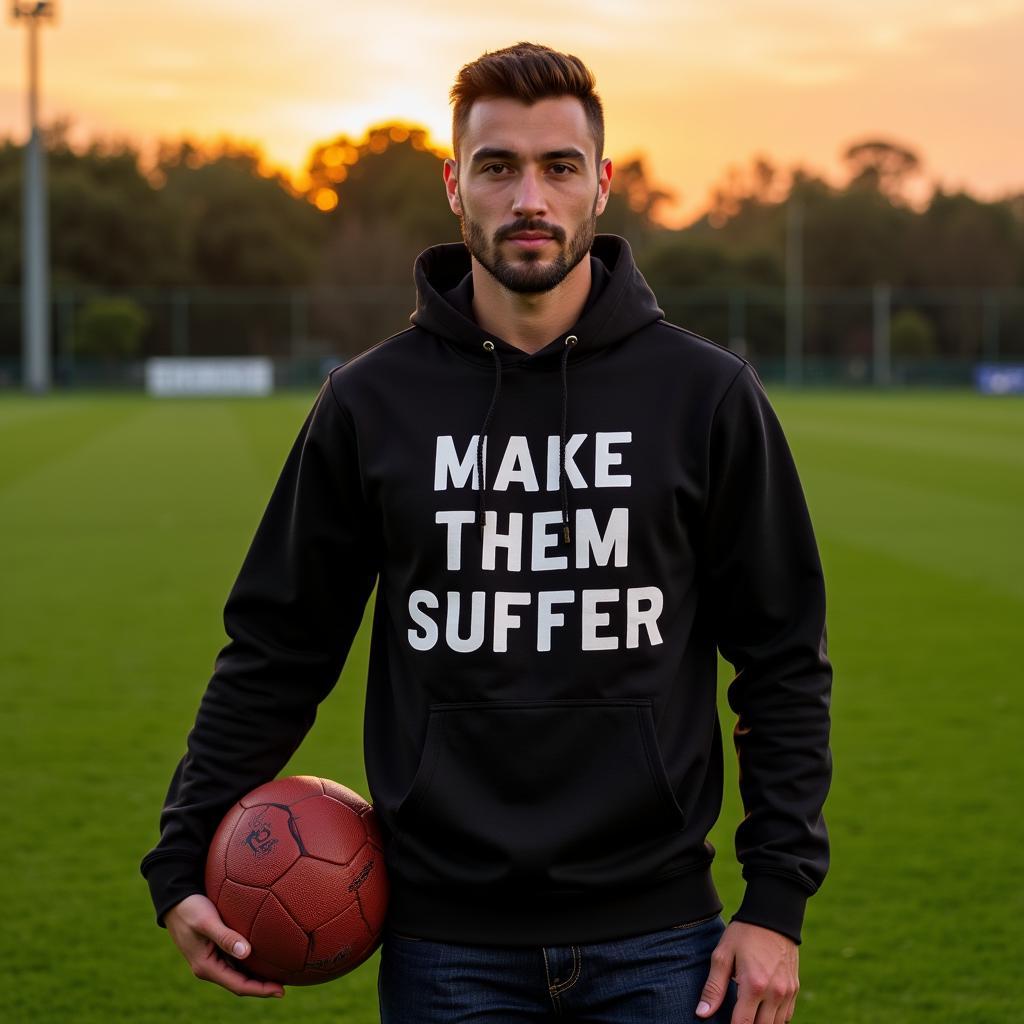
296	866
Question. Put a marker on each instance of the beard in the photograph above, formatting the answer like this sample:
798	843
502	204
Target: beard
527	272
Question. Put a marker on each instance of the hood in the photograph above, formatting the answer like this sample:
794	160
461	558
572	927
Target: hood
619	304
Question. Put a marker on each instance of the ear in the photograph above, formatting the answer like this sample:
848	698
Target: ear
450	172
604	184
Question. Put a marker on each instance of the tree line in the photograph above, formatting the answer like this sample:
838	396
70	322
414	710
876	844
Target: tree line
216	217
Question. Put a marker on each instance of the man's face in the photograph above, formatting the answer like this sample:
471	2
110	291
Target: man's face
527	169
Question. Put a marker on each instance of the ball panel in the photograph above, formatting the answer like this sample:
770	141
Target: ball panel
277	938
257	967
239	905
326	833
284	791
344	795
370	886
216	856
313	891
338	945
262	848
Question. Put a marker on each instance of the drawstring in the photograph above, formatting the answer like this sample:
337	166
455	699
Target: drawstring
562	476
489	346
569	342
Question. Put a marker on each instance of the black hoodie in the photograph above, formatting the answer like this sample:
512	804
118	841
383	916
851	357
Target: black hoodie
541	737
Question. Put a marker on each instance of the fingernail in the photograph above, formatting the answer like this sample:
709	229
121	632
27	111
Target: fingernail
703	1008
279	995
239	949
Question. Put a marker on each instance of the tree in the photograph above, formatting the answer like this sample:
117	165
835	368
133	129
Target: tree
696	276
107	225
881	166
384	201
391	184
633	204
110	327
239	225
911	335
960	240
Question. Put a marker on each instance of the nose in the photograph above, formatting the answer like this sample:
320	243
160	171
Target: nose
529	198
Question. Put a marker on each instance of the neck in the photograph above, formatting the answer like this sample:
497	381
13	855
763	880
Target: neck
530	320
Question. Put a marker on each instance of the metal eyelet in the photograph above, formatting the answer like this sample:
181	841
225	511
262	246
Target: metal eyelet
571	339
489	345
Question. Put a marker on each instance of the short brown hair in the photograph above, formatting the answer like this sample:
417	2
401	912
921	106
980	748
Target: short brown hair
526	72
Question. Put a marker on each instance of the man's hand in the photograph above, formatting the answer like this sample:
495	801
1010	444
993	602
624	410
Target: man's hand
765	966
199	932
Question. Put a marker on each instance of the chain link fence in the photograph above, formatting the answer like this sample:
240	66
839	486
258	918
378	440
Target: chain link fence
880	336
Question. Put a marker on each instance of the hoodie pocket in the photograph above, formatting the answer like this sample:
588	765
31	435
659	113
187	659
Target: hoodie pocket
564	794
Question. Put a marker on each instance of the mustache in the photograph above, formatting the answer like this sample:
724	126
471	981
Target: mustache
550	229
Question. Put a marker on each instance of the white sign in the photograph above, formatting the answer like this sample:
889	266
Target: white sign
210	375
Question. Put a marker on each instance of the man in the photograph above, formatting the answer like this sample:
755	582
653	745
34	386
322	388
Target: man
567	504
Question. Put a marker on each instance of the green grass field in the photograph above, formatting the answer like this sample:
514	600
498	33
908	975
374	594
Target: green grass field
124	521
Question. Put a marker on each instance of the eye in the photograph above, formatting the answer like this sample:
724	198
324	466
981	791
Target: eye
490	167
568	167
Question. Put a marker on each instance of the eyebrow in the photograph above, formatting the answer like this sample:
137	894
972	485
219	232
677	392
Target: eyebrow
494	153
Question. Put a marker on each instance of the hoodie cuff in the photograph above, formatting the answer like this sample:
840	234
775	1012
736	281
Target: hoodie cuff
775	902
170	881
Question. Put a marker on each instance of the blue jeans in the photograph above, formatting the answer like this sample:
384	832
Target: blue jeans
655	978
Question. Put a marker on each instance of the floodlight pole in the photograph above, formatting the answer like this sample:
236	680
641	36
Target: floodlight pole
794	289
35	290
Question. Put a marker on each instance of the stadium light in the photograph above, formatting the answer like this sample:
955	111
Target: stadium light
35	288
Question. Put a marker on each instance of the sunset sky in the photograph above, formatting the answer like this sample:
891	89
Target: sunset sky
695	87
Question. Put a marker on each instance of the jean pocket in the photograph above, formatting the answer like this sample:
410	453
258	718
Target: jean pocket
562	794
694	924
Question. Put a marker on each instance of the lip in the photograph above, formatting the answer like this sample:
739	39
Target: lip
534	242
